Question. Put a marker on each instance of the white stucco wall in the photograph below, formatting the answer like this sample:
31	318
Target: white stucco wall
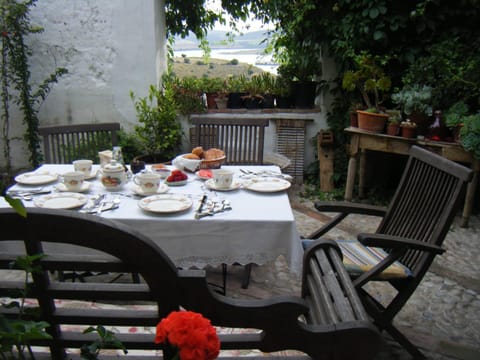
108	47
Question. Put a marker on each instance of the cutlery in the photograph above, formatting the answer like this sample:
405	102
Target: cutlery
215	208
96	200
202	203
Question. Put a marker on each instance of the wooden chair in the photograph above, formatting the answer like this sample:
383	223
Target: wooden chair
408	238
327	321
66	143
241	139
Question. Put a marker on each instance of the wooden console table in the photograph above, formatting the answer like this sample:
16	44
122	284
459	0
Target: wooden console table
361	141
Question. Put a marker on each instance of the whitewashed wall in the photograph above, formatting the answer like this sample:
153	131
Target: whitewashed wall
108	47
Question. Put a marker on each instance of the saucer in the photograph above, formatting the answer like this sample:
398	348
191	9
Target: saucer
92	175
176	183
163	188
211	185
61	187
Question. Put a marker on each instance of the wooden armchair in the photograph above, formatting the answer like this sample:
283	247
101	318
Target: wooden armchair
408	238
327	321
242	139
63	144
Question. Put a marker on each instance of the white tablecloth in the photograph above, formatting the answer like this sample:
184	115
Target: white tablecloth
259	228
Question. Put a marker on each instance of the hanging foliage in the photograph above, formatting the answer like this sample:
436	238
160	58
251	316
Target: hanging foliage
16	80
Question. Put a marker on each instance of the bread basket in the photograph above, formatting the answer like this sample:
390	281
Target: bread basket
212	163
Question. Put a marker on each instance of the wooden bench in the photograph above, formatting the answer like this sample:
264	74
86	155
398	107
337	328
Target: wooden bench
326	322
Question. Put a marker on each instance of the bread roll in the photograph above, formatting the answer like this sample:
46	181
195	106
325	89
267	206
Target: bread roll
198	151
212	154
191	156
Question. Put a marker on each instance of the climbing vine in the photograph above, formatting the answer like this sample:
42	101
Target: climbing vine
16	78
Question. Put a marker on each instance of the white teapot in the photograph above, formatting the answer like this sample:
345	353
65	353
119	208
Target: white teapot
113	176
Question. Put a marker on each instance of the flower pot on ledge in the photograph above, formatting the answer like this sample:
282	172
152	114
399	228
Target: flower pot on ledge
409	132
371	121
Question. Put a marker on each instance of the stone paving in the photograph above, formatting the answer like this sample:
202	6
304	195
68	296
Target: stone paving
443	315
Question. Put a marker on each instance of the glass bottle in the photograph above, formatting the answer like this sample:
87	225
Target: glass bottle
118	156
436	130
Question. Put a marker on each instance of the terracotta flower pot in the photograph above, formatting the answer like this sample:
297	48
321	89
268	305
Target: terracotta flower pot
409	132
393	129
371	121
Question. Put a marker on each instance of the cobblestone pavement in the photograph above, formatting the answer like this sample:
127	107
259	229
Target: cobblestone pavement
443	315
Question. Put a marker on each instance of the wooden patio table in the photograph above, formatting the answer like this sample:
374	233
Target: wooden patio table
361	141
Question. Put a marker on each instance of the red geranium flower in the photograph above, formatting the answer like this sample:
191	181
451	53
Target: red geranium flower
191	333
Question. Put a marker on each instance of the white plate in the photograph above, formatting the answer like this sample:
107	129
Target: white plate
36	178
66	200
176	183
211	185
85	186
163	188
266	184
204	177
165	203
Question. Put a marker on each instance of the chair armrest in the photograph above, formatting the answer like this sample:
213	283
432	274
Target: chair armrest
344	209
396	242
350	208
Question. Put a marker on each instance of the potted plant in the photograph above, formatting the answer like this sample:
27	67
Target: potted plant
159	131
408	129
371	81
188	95
466	126
301	64
212	87
393	124
235	86
254	92
454	117
415	102
282	90
267	88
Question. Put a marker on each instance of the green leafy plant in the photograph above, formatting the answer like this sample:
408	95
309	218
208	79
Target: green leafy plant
394	116
212	85
470	134
369	79
107	340
236	84
455	115
459	118
159	132
414	98
15	77
17	333
187	95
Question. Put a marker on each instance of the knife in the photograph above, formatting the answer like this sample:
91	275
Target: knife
202	202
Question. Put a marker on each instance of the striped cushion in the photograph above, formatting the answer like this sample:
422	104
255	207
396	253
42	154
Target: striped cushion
359	259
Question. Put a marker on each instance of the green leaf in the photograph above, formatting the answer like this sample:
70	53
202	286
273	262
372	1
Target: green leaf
377	35
373	13
17	205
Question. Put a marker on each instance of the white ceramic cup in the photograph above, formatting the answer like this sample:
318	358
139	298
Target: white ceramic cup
73	180
223	178
148	182
84	166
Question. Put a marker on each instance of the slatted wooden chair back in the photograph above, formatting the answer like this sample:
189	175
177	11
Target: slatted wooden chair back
66	143
241	139
424	204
